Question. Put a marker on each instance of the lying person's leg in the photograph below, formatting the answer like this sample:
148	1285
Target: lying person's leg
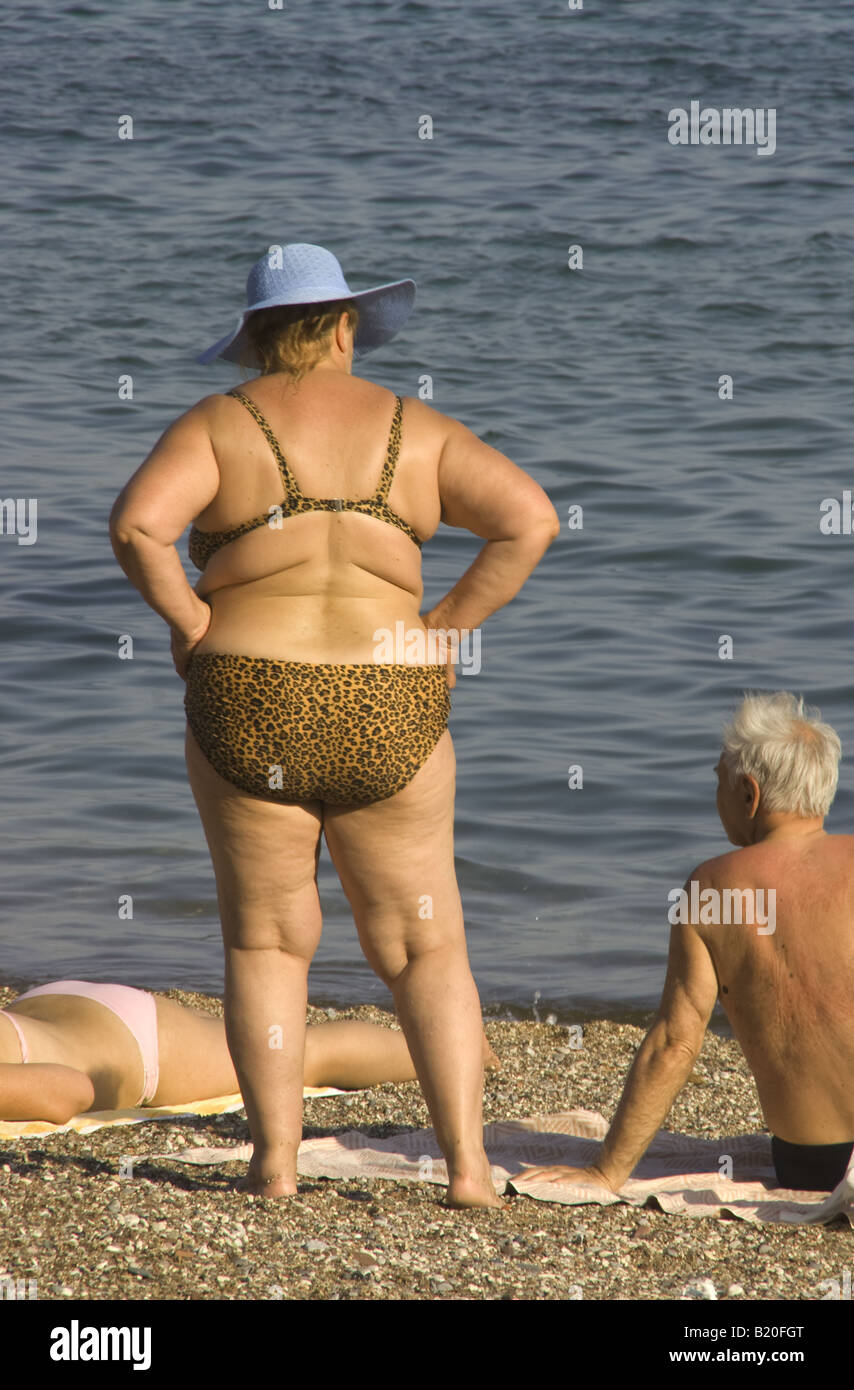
351	1054
195	1062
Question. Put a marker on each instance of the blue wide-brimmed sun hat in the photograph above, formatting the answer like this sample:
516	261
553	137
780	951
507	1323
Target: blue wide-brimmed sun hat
304	274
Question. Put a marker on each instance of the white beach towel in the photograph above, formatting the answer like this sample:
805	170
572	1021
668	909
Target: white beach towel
679	1174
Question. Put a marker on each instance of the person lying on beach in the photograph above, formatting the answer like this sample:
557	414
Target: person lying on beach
109	1047
768	929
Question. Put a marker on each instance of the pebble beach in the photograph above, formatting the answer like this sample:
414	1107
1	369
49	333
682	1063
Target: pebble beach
72	1224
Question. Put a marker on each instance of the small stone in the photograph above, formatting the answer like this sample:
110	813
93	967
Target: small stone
642	1232
735	1291
315	1247
766	1249
128	1219
703	1288
363	1259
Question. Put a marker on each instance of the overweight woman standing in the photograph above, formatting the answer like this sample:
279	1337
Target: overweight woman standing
310	492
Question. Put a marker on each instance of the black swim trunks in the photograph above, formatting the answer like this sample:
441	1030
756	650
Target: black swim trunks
810	1167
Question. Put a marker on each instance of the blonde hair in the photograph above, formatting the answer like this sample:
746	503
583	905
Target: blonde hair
782	744
293	338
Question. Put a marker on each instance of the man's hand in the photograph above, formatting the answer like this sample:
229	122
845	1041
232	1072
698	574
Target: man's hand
575	1177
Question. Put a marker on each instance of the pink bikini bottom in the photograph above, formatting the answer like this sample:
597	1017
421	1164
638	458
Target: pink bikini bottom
136	1009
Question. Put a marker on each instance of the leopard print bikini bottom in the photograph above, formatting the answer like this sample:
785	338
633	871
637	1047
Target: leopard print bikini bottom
293	731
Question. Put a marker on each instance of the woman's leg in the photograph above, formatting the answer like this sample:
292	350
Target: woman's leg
265	859
395	859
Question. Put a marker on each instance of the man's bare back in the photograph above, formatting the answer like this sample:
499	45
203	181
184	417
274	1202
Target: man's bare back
789	992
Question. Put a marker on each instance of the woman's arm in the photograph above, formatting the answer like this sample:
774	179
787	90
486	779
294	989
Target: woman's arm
482	491
43	1091
176	482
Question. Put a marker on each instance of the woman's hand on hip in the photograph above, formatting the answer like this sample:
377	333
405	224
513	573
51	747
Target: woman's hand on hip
444	647
183	644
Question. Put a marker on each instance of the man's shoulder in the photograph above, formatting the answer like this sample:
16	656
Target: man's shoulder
721	868
753	864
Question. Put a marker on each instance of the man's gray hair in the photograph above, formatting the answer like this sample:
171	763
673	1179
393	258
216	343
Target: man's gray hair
783	744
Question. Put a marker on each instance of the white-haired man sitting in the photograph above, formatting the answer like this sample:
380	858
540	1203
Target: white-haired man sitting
768	929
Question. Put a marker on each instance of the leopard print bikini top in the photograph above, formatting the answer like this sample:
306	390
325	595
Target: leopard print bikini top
204	544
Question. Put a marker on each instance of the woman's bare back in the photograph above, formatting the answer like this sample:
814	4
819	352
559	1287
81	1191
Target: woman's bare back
316	586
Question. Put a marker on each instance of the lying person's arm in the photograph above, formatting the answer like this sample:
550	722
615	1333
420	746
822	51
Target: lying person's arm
43	1091
664	1061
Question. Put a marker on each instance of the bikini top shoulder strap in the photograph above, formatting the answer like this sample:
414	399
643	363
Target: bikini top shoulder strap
287	476
392	452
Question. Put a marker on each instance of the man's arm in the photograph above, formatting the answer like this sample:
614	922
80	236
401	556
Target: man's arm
664	1061
665	1058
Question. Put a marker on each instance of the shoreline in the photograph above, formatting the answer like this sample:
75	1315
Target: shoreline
501	1011
69	1221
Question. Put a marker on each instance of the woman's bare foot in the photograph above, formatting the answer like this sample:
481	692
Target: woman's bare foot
273	1175
472	1185
277	1185
469	1192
